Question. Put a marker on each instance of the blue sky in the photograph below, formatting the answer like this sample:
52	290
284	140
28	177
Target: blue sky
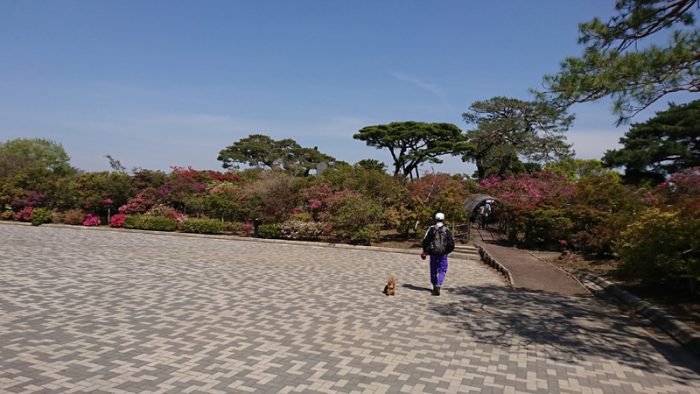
161	83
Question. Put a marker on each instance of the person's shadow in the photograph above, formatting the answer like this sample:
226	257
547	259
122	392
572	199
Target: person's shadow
417	288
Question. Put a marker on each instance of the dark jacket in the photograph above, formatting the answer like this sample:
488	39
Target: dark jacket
430	236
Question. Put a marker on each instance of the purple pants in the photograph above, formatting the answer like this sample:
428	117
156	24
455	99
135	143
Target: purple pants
438	268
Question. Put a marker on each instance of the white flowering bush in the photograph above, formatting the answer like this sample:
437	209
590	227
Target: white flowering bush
296	229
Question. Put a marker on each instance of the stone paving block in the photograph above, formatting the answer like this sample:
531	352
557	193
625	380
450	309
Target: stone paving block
116	312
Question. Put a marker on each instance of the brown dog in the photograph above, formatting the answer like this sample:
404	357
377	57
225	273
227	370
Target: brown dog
390	288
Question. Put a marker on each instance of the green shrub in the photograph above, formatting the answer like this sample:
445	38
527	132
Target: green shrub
352	212
660	247
546	227
301	217
132	221
41	216
203	226
156	223
598	239
365	235
271	231
295	229
233	227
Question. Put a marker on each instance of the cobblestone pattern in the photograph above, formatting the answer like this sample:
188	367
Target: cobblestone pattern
99	311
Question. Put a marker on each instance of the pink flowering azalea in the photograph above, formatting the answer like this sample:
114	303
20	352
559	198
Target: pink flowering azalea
247	228
315	204
487	182
25	215
91	220
135	205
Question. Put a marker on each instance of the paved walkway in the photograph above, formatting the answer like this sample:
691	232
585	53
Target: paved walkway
528	272
100	311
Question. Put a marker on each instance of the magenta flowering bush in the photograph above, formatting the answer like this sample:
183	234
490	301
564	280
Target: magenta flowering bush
117	220
91	220
681	190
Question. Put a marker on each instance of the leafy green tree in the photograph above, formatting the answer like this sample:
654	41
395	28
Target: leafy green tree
371	164
618	61
300	161
575	169
259	150
256	150
414	143
510	130
38	153
663	145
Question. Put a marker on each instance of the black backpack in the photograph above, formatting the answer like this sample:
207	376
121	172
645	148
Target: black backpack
441	242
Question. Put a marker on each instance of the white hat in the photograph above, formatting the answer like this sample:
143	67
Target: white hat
440	216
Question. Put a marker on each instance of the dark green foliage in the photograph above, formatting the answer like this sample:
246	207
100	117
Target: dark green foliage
545	227
365	235
95	187
155	223
270	231
414	143
41	216
510	129
663	145
260	150
232	227
203	226
371	164
619	62
148	179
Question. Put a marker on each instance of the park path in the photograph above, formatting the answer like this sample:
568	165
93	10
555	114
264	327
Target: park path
84	310
528	272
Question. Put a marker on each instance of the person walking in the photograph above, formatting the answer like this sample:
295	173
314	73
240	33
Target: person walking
438	242
482	217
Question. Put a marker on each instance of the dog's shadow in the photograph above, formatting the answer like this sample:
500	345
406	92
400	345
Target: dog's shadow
416	288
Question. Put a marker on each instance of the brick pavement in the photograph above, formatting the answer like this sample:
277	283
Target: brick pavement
99	311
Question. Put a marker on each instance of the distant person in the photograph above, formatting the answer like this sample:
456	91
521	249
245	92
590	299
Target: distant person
482	216
438	242
487	211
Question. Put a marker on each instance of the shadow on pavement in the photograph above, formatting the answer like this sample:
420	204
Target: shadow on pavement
416	288
564	328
